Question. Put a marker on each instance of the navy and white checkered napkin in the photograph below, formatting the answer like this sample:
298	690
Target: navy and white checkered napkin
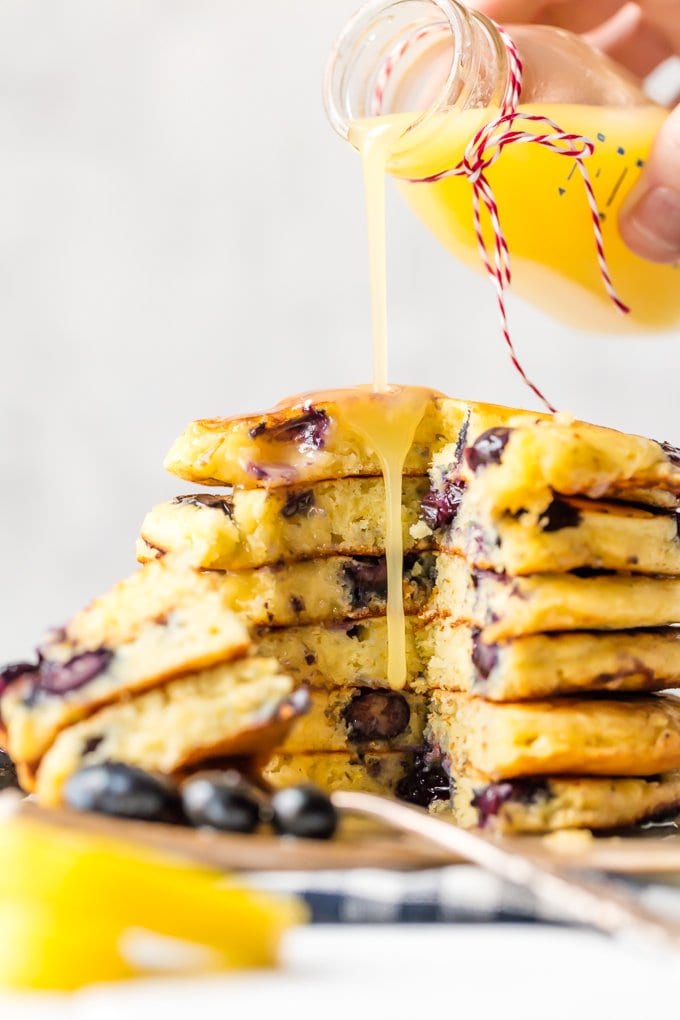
457	894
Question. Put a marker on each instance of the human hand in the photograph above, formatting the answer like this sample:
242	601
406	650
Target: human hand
640	36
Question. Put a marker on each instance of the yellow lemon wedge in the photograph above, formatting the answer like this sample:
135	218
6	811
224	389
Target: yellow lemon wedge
77	909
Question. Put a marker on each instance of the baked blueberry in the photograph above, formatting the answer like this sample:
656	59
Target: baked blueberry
560	515
488	448
439	508
221	800
199	499
298	504
307	430
271	471
366	579
125	791
377	715
8	775
15	671
426	781
672	452
62	677
303	811
491	798
484	656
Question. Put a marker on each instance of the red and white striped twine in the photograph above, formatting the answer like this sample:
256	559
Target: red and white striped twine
482	151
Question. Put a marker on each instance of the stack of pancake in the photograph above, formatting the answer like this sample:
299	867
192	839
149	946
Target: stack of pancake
306	511
558	581
157	673
541	589
540	571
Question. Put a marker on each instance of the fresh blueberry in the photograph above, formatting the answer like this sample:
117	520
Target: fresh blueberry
303	811
488	448
114	788
221	800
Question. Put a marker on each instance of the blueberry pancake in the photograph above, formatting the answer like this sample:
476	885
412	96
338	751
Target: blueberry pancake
409	776
547	804
572	533
413	776
302	440
69	681
521	466
543	665
330	589
506	607
242	708
612	736
326	590
254	527
347	653
359	719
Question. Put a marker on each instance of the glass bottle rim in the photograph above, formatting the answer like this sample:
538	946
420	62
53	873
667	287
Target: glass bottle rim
357	32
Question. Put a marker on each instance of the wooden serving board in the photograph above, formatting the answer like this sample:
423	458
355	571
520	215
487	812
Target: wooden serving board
365	844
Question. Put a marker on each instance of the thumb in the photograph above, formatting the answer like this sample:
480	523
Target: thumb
650	216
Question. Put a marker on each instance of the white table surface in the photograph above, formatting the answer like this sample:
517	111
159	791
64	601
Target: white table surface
402	973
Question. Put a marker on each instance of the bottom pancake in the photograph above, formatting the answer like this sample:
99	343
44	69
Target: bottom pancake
540	804
242	708
415	777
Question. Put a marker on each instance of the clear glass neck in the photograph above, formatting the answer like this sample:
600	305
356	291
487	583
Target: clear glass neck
413	56
426	57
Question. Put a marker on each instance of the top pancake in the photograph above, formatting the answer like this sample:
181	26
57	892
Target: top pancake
307	439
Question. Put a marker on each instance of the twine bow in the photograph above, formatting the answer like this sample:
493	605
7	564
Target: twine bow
483	150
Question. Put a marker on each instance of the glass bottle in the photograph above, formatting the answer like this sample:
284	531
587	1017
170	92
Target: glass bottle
442	71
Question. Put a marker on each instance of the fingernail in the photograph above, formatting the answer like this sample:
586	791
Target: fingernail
651	225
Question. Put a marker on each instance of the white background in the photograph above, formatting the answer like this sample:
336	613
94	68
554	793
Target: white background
482	972
182	235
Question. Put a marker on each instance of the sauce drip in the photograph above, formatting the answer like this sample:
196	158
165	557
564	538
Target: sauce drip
388	416
375	140
387	420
